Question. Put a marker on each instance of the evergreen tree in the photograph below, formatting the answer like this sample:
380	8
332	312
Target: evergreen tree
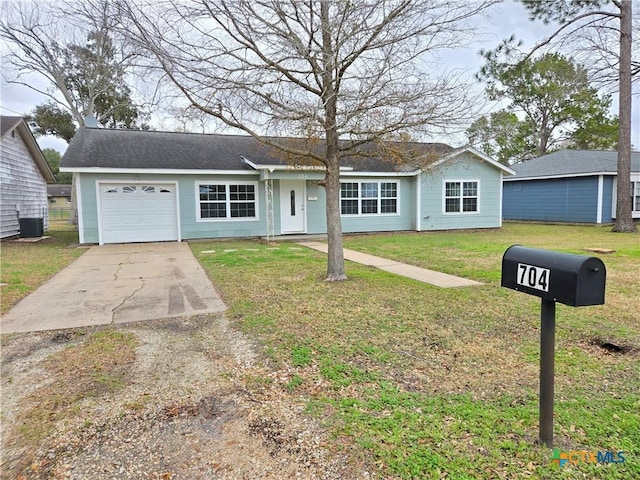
599	26
556	104
53	157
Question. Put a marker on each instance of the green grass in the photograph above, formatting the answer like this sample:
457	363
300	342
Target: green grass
423	381
301	356
294	383
26	266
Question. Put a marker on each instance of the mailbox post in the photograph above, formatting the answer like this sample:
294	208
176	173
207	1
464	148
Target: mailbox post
547	365
574	280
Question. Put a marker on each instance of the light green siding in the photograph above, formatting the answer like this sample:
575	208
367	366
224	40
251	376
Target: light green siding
316	200
190	227
87	208
465	167
316	217
293	174
403	220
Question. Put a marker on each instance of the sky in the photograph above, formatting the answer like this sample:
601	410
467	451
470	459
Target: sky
510	18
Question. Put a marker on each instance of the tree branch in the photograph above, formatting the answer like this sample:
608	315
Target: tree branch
549	39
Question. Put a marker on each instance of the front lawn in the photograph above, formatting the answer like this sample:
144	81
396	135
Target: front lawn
26	266
427	382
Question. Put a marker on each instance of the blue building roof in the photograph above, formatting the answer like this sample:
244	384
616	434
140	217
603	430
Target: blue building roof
569	163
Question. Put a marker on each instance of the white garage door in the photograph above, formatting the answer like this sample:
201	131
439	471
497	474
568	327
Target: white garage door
138	212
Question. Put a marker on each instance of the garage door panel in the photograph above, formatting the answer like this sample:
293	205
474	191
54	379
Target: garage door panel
138	212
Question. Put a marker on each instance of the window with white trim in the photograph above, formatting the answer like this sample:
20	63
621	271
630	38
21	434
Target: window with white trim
635	196
218	201
461	196
369	198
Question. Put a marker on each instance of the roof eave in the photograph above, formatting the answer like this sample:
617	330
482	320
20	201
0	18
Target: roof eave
295	167
34	149
169	171
560	175
176	171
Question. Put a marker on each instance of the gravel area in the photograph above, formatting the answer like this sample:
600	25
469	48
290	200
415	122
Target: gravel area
199	404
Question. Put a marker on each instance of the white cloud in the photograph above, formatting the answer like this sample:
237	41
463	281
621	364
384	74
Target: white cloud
18	99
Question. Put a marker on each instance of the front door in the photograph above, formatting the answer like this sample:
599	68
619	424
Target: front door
292	206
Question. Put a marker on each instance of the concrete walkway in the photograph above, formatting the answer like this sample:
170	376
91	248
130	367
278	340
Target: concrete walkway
416	273
114	284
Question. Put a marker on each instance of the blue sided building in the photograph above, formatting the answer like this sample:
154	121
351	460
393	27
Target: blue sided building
574	186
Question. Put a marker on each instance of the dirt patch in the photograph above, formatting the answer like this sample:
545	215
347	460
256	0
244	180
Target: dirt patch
604	251
182	408
611	347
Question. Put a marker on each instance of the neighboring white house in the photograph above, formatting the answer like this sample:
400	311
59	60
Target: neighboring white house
24	175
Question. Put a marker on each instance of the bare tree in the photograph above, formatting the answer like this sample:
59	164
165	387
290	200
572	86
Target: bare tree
590	31
319	70
71	44
597	25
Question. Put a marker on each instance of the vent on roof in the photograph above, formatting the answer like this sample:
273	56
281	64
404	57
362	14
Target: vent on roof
90	121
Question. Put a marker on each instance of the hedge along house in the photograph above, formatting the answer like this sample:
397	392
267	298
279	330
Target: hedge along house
576	186
143	186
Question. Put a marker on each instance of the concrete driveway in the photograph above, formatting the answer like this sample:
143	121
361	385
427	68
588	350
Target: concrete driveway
113	284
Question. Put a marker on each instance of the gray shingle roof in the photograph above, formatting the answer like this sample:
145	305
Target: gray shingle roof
7	123
59	190
138	149
572	162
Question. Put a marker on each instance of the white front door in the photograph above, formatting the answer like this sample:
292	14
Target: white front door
292	219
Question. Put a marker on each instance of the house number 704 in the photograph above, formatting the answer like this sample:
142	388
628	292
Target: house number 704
533	277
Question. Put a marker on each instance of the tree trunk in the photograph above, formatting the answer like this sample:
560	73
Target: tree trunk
624	218
335	260
543	141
